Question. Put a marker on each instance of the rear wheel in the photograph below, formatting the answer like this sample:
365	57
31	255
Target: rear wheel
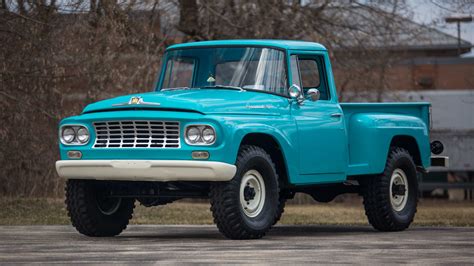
246	206
390	199
93	212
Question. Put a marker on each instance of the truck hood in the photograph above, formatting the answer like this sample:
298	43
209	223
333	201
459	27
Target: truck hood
205	101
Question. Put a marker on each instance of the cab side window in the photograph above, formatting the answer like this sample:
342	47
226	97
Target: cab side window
311	71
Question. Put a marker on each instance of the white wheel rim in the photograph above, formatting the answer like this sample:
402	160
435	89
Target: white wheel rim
252	193
398	199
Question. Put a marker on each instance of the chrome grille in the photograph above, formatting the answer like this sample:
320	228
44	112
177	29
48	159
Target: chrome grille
137	134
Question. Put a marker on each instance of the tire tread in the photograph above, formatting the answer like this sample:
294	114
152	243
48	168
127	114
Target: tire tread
223	195
377	202
85	219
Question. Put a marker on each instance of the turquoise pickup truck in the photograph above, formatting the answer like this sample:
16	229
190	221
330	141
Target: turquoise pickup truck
246	124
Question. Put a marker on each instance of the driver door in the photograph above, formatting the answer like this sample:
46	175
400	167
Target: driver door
321	128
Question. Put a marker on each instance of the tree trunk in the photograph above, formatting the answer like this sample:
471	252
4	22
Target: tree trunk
189	19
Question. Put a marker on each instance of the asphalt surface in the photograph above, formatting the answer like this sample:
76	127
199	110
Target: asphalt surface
203	244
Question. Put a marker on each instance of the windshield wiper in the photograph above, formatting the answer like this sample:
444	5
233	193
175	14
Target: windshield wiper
223	87
205	87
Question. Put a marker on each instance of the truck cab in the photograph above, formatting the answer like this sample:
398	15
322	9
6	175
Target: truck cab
246	124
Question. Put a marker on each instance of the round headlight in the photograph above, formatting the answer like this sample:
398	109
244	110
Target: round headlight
68	134
83	135
193	134
208	135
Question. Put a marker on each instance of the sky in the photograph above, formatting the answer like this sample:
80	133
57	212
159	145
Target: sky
427	12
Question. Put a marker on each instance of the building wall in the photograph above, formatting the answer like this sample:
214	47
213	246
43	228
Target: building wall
451	73
433	74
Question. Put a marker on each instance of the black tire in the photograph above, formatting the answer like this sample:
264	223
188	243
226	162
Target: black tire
94	215
380	212
281	208
227	210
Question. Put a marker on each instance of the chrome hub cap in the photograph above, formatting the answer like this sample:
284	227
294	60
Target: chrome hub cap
398	189
252	193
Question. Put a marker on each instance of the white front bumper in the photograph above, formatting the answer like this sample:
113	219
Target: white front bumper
145	170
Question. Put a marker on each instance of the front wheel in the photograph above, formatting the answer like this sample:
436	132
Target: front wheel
247	206
390	199
93	212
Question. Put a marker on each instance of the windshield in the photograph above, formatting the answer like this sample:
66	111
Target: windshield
245	67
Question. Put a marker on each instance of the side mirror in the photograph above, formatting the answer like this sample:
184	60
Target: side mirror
314	94
296	93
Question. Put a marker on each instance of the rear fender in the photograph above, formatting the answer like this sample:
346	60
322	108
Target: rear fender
370	135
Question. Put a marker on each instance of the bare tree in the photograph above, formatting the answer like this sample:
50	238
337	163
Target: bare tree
55	58
356	32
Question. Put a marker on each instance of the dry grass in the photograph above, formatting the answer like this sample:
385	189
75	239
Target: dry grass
18	211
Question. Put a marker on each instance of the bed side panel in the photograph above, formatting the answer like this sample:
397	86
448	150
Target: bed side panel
372	128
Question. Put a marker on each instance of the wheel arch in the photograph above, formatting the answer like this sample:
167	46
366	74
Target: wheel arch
272	146
410	144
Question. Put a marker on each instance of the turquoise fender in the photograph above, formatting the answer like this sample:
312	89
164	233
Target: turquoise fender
370	136
281	128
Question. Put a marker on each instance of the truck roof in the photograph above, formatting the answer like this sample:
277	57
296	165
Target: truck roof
281	44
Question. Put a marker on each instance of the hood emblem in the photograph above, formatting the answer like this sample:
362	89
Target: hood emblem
136	100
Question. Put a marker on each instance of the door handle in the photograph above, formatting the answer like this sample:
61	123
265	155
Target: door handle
336	115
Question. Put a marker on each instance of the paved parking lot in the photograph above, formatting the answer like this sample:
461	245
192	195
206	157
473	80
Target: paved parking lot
204	244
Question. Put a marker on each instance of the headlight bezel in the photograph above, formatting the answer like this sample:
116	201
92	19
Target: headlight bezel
200	140
75	141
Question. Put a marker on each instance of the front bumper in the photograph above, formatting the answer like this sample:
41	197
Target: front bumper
145	170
